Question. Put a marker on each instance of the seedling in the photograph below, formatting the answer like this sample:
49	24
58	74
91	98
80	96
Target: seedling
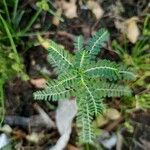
87	80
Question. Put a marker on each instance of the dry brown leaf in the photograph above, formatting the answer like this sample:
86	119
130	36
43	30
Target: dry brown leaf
38	83
146	144
95	8
117	8
101	121
4	141
6	128
34	137
43	42
69	8
44	116
72	147
56	20
65	114
120	26
130	28
113	114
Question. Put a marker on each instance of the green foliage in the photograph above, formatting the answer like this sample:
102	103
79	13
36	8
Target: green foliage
11	32
10	37
93	45
87	80
78	43
139	58
10	63
142	101
146	29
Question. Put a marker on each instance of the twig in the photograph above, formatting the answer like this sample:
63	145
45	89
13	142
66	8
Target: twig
48	121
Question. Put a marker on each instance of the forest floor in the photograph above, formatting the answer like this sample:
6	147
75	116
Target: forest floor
23	114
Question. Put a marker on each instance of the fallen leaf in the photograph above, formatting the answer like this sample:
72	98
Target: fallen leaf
71	147
120	26
120	141
34	137
18	134
146	144
6	128
132	29
4	140
56	20
69	8
113	114
44	117
43	42
95	8
101	121
129	27
65	113
110	142
38	83
117	8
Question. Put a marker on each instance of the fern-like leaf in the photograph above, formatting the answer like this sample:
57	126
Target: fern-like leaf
84	122
78	43
93	100
82	59
55	93
126	73
59	57
85	79
109	70
96	42
103	69
112	90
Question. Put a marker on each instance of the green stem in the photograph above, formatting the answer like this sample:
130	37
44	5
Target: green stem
10	38
15	9
2	104
20	34
55	14
6	9
32	20
87	147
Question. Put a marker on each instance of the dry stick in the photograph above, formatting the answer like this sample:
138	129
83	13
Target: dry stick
48	121
2	104
69	35
113	125
37	120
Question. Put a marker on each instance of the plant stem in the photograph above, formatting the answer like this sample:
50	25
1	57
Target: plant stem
2	104
87	146
20	34
55	14
32	20
6	9
15	9
10	38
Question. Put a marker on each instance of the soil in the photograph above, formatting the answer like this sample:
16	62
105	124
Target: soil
19	102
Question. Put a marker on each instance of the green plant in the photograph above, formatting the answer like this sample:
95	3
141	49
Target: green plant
10	63
89	81
11	33
18	15
139	58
